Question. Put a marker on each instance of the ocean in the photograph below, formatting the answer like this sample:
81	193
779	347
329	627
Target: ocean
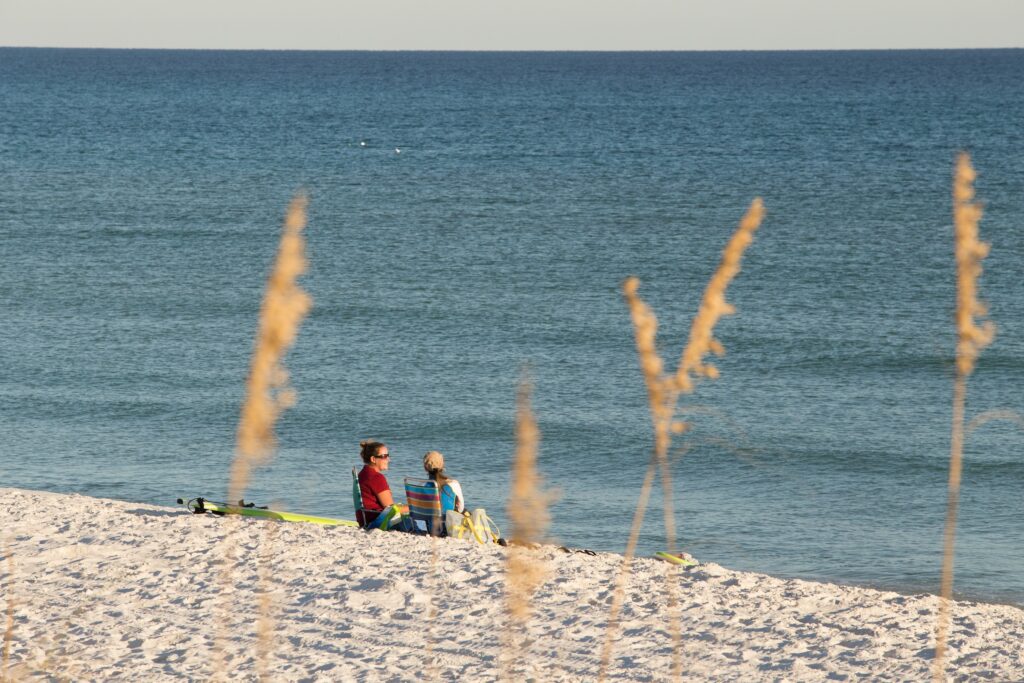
472	218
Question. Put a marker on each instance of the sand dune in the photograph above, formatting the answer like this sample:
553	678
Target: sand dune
108	590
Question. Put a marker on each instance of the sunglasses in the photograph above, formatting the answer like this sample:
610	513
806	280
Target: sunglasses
385	456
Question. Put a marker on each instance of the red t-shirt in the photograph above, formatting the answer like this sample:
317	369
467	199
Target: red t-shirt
371	484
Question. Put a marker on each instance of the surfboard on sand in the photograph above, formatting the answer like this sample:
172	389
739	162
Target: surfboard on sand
201	505
676	559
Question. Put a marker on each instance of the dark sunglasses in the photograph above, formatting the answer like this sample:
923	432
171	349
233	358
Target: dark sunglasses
386	455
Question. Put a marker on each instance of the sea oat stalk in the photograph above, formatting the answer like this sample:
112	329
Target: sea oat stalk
284	306
265	623
267	395
529	520
971	338
663	393
713	306
432	665
527	512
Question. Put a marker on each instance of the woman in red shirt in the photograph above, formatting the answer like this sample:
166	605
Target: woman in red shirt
373	485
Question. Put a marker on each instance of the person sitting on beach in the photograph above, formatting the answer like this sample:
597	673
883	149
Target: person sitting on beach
451	491
373	485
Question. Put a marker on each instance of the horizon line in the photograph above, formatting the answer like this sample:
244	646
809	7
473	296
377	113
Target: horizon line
508	50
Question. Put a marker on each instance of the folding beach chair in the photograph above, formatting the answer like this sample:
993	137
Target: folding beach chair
357	499
388	518
425	505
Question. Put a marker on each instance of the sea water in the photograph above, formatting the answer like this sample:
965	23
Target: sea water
472	217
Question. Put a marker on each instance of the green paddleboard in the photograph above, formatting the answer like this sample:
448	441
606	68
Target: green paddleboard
675	559
200	505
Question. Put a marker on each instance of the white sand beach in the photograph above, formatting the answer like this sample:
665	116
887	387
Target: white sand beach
107	590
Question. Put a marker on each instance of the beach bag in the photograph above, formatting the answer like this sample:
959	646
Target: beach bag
485	526
472	526
454	524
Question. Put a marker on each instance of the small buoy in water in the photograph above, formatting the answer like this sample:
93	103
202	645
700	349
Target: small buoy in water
397	151
362	143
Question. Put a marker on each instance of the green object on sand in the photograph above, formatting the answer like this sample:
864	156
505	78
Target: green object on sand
201	505
675	559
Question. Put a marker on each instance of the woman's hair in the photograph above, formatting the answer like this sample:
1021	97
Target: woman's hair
433	463
368	449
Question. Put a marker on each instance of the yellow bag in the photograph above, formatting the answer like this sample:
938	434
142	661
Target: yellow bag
472	526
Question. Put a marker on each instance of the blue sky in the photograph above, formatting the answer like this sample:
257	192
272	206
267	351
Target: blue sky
513	24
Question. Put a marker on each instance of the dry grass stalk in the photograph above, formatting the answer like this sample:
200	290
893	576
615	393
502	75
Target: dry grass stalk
432	667
663	393
284	306
992	416
527	512
265	623
971	338
9	628
713	306
529	520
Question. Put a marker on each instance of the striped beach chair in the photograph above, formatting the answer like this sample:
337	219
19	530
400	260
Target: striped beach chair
425	504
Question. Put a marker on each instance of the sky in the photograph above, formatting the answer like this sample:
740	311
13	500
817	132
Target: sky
513	24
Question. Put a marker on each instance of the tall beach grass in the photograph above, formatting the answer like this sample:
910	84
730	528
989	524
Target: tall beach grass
663	392
529	520
266	604
972	336
267	395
